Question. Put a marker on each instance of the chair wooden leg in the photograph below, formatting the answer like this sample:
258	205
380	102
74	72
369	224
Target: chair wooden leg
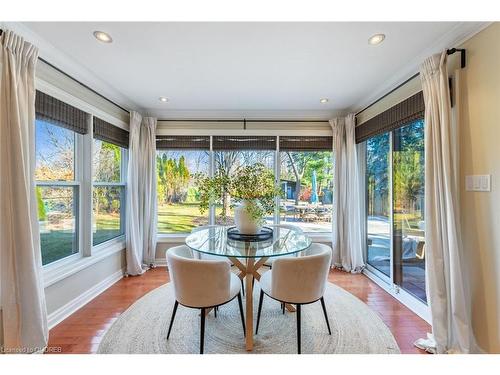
240	304
172	319
326	315
202	331
261	298
298	328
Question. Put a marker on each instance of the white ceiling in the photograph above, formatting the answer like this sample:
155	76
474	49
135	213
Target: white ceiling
252	70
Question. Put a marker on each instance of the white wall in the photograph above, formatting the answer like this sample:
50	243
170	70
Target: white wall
480	154
69	294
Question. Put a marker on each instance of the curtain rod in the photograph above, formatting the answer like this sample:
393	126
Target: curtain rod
79	82
450	51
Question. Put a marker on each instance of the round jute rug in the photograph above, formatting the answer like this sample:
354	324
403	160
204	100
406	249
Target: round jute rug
143	327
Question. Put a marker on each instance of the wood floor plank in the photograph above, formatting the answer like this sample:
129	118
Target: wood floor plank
83	331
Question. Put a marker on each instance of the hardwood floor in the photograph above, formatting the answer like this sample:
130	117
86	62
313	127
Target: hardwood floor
83	331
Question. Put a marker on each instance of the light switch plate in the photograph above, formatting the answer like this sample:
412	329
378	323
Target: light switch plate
478	183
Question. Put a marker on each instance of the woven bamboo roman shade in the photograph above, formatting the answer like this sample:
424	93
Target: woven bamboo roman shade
395	117
186	142
229	143
300	143
109	133
56	112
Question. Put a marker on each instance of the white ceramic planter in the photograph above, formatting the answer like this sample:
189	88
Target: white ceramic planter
244	222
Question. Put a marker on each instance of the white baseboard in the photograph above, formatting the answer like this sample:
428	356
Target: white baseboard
63	312
161	262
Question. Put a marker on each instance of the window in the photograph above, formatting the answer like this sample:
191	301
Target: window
108	196
65	188
178	160
306	159
395	202
178	198
395	195
378	203
232	153
306	178
408	208
57	191
227	163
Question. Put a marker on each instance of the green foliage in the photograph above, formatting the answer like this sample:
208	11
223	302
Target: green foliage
42	215
211	189
408	166
299	167
173	179
408	176
254	183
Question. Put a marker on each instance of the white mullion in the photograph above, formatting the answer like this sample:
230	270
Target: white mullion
85	178
123	194
277	167
109	184
391	207
58	183
211	171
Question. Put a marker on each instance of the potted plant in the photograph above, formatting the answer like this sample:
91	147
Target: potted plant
253	192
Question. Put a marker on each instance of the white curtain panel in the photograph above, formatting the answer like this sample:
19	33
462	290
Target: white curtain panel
21	286
141	194
347	226
148	138
446	279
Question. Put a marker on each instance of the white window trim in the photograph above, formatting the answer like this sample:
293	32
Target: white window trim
123	208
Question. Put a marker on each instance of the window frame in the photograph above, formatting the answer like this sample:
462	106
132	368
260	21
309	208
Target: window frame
122	183
87	255
387	282
179	237
76	183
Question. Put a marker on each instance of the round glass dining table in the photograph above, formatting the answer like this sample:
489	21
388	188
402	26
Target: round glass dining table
249	257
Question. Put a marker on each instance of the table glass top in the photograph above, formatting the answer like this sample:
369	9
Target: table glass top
214	241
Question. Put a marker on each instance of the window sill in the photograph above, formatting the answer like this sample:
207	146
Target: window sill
172	238
52	275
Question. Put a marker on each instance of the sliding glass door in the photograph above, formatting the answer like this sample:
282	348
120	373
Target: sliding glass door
378	204
395	208
408	208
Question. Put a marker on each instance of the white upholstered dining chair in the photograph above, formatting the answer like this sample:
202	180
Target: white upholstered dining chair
201	284
299	281
269	262
199	255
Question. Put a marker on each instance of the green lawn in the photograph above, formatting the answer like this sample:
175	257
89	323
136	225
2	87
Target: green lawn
180	217
58	244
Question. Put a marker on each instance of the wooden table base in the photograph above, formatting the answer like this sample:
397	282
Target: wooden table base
248	272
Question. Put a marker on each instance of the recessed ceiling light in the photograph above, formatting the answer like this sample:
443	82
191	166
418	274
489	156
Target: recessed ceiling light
163	99
376	39
103	37
323	100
